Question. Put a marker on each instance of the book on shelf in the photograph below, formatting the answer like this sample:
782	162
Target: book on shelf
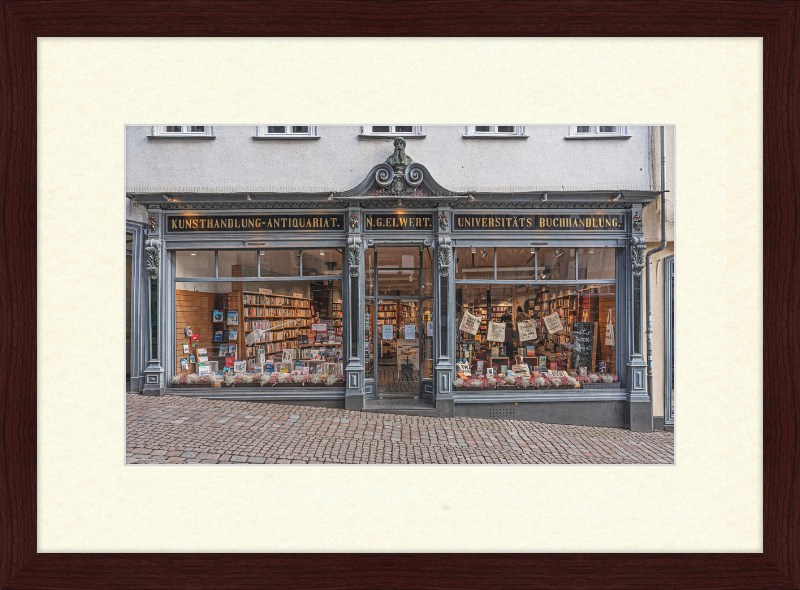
184	364
223	349
233	334
233	318
191	358
194	339
216	315
218	336
202	369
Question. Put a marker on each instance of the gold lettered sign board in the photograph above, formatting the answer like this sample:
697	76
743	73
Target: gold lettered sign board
242	223
398	221
513	223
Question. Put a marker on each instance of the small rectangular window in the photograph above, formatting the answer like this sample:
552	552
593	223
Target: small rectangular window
276	128
173	129
505	129
584	129
483	128
300	129
197	129
381	128
607	129
403	129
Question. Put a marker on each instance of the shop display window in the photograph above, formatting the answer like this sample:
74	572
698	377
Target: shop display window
596	263
194	263
565	334
556	264
257	332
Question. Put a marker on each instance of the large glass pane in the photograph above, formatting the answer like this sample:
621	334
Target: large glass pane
556	264
369	271
398	257
237	263
254	327
280	263
194	263
322	261
516	264
300	129
427	346
574	327
276	128
596	263
474	263
398	282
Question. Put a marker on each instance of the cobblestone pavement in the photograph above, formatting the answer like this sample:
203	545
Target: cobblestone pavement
175	429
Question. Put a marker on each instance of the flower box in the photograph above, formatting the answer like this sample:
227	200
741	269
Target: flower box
505	387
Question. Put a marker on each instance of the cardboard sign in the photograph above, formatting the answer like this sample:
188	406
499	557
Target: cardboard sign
469	323
297	295
497	332
319	327
527	330
265	291
430	329
464	368
521	370
553	323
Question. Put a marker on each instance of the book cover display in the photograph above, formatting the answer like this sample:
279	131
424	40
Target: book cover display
216	315
218	336
233	318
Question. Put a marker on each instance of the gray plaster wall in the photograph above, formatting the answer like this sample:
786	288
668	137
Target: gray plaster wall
339	160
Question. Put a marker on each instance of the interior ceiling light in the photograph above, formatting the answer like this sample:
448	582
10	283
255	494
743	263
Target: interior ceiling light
249	197
473	249
616	197
484	253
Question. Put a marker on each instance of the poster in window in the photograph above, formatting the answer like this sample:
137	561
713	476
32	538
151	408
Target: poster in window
497	332
469	323
553	323
527	330
288	355
410	331
387	331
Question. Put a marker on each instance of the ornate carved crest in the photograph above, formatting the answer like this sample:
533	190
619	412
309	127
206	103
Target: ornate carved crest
399	176
637	221
153	221
443	221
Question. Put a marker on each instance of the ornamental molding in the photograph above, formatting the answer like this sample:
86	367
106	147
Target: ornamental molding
444	257
637	221
354	257
153	250
637	256
153	222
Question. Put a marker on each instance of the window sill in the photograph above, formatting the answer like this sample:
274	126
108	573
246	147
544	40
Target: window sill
390	136
277	137
587	136
490	136
178	136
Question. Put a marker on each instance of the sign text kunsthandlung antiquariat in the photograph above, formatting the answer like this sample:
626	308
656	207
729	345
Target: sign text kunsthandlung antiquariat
470	221
206	223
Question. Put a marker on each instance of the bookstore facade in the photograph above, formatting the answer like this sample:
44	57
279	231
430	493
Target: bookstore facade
503	305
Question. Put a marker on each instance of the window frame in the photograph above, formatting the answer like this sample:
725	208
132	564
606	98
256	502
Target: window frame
160	132
368	133
620	132
262	132
259	255
518	132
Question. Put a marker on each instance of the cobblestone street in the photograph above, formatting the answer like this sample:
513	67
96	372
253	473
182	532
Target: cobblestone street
175	429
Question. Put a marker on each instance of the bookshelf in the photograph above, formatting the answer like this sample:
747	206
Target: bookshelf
284	320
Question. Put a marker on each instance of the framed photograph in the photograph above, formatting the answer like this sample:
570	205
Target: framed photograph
27	448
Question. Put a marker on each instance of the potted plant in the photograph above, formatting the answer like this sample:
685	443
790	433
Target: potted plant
247	380
458	384
507	383
331	380
316	380
228	380
263	379
605	381
214	379
177	381
297	379
489	383
204	381
284	380
542	383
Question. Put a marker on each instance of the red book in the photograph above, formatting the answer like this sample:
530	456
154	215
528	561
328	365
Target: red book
229	361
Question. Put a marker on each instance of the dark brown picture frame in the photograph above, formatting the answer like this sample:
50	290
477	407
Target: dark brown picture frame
777	22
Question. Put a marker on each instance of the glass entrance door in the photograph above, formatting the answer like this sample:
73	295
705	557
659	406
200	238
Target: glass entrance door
399	330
